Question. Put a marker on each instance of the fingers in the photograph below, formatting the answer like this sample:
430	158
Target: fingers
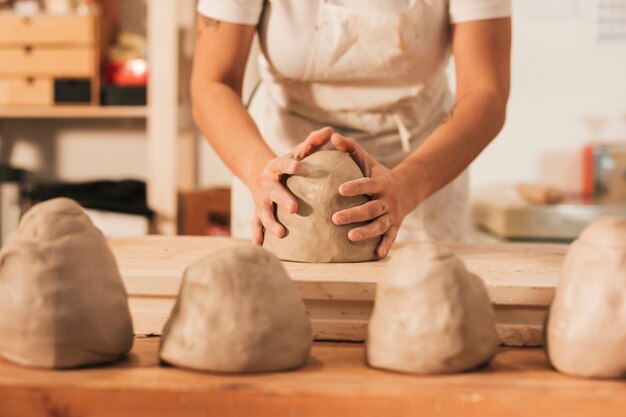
281	196
265	212
344	144
385	244
313	142
362	186
284	165
365	212
373	229
257	230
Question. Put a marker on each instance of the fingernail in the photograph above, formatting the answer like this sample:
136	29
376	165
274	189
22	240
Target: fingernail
293	166
337	219
291	207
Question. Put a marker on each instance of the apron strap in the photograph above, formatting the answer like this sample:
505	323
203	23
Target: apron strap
403	132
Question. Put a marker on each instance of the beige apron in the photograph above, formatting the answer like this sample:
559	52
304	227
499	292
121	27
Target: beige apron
377	77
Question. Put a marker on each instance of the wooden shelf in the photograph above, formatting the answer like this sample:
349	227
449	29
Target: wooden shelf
74	112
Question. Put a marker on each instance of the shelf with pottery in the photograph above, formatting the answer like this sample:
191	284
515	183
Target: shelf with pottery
170	138
335	381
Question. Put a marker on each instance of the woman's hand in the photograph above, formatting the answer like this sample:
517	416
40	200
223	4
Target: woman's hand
270	190
391	194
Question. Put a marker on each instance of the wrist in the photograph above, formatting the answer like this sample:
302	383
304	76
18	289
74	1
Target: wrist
412	187
253	171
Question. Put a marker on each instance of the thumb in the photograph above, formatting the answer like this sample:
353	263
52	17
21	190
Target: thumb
312	143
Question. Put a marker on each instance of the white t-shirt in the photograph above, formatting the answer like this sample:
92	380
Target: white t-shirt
286	27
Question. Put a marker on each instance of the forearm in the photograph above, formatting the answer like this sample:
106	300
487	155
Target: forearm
230	130
460	138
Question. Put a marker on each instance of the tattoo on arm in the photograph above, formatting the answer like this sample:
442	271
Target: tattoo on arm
207	22
449	115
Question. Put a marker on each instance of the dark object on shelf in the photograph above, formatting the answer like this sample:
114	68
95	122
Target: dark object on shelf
72	91
11	184
10	174
113	95
127	196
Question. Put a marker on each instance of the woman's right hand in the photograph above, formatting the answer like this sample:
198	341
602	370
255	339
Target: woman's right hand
270	190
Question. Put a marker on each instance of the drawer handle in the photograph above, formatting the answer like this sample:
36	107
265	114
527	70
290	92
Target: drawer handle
30	80
28	49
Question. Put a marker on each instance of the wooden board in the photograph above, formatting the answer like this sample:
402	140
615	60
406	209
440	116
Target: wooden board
520	279
514	273
74	112
335	382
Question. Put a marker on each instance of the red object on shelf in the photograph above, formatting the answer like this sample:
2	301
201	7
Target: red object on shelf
133	72
587	186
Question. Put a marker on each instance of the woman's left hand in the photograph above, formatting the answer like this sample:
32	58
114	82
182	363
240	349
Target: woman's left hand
390	192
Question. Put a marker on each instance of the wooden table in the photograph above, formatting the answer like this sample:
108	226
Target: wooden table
335	382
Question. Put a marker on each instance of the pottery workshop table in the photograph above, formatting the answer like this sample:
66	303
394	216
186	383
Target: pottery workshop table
520	280
335	382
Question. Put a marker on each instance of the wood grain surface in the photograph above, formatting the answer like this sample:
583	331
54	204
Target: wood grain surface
339	297
335	382
515	274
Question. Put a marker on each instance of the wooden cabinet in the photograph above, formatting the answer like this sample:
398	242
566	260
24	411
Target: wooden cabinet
36	51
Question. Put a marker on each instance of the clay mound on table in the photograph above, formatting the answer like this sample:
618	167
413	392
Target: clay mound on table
431	315
237	312
62	301
311	235
586	327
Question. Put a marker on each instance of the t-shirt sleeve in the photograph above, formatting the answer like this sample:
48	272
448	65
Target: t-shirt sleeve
466	10
245	12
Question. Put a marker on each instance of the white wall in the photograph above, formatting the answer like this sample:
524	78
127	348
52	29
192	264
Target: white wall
568	88
79	150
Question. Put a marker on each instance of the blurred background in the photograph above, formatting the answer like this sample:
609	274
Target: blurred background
94	104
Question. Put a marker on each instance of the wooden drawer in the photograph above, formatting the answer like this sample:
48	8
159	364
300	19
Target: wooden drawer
26	92
50	61
46	29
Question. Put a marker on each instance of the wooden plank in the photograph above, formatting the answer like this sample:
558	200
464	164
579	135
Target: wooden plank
515	274
335	381
74	112
347	320
520	279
